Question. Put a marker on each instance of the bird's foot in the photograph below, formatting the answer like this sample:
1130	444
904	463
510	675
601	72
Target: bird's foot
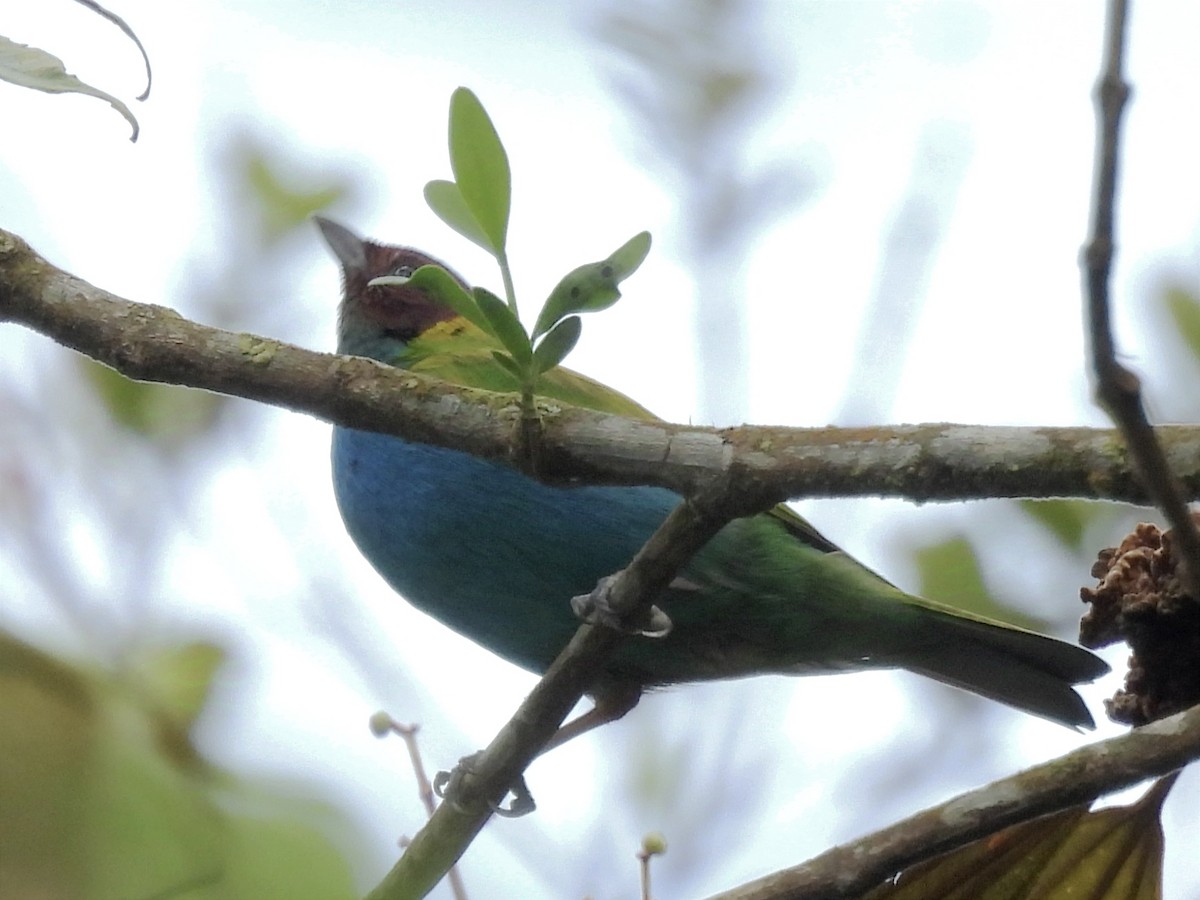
449	786
596	609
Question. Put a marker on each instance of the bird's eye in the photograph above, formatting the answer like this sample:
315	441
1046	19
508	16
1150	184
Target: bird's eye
402	271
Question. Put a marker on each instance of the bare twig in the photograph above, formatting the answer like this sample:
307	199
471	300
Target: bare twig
920	462
1117	388
424	788
381	724
653	844
1079	777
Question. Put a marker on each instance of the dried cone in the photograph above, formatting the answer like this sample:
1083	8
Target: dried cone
1140	600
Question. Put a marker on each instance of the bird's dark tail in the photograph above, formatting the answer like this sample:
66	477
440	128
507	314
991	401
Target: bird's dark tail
1032	672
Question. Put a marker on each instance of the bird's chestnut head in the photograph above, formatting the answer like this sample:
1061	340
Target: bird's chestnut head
378	321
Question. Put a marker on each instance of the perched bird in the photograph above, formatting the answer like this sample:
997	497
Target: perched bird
497	556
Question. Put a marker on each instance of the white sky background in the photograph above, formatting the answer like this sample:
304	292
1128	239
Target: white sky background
363	87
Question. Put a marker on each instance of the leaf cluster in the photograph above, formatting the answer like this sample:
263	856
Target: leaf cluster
476	204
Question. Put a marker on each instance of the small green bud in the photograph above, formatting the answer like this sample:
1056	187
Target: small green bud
654	843
382	724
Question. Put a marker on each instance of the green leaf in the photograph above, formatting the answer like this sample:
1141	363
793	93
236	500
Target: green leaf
480	166
442	287
1185	311
167	414
293	829
950	574
629	256
105	795
505	326
33	68
592	287
509	365
1107	854
587	288
178	678
447	203
558	342
285	206
1067	519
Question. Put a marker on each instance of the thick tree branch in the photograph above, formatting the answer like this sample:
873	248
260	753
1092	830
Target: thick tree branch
1078	777
919	462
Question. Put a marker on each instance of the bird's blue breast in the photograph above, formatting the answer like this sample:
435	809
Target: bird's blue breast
489	552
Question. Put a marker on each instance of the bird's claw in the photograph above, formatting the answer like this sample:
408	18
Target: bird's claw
448	786
522	801
596	609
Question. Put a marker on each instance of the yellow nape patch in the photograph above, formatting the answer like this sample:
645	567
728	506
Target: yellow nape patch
459	352
459	330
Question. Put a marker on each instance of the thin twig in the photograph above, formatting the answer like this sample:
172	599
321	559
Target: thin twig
1117	388
653	844
425	789
1078	777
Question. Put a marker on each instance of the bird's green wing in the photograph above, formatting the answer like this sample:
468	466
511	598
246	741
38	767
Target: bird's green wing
800	529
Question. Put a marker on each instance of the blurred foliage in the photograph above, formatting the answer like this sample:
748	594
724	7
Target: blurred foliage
1184	307
284	205
104	795
1108	854
103	792
950	574
704	794
696	78
1068	520
171	417
162	413
176	679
